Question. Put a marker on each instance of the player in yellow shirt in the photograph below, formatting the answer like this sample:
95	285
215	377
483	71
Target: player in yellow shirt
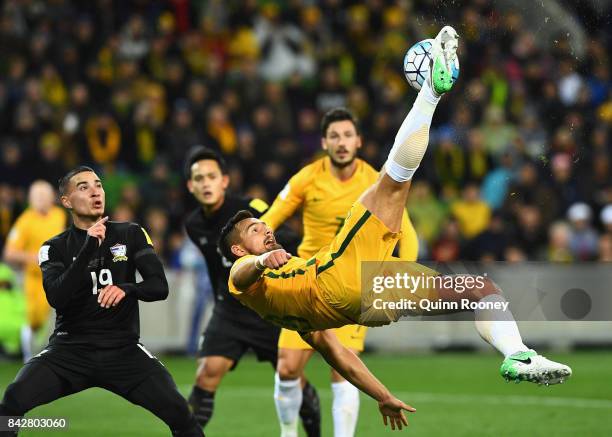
39	222
325	190
325	291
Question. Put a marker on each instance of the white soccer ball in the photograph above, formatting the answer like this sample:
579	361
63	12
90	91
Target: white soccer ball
417	62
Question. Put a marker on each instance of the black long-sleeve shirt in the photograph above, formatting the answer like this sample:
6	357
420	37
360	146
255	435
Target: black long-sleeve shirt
75	267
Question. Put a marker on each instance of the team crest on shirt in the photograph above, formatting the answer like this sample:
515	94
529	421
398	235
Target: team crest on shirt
119	251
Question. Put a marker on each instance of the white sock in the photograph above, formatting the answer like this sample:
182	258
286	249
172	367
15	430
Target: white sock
498	328
26	343
413	137
345	408
288	400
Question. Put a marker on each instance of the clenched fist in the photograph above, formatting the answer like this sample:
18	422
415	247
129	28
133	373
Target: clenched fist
273	259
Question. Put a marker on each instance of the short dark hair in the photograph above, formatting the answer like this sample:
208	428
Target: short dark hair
198	153
228	234
62	184
337	114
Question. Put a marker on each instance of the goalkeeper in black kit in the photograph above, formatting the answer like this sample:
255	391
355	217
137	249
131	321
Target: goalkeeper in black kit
89	277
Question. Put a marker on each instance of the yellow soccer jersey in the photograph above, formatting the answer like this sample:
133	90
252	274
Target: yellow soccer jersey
325	201
289	296
32	229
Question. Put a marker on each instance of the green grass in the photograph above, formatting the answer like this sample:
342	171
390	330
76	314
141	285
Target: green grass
455	394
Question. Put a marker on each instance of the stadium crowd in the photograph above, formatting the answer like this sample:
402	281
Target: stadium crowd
518	166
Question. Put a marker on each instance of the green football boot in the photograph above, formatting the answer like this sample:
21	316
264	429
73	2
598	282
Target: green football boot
529	366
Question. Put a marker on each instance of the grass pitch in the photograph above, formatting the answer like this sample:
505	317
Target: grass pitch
458	394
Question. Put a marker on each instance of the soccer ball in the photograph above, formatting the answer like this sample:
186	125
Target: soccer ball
417	62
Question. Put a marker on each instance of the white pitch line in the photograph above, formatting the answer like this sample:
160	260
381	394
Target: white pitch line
547	401
450	398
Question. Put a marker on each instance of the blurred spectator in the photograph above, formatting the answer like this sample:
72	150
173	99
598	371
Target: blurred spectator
134	43
478	161
583	239
8	211
181	135
220	129
13	168
426	212
496	131
559	235
447	247
331	93
156	224
496	183
605	248
471	213
123	213
514	254
533	134
49	166
570	82
528	189
530	233
565	188
606	218
491	243
449	163
284	48
154	190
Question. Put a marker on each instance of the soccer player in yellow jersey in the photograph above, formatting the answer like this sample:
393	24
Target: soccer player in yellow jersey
325	190
39	222
324	291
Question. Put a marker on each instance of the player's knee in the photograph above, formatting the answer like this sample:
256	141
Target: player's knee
288	369
208	381
210	373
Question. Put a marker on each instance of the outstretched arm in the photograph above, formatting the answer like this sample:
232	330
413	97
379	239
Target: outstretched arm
288	200
350	366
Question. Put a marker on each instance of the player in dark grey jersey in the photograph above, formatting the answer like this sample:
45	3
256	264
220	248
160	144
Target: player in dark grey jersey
89	278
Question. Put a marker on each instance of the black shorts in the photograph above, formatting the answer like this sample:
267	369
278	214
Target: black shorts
231	339
116	369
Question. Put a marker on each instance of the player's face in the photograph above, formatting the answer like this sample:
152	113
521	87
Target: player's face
207	182
255	238
41	196
85	195
341	142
